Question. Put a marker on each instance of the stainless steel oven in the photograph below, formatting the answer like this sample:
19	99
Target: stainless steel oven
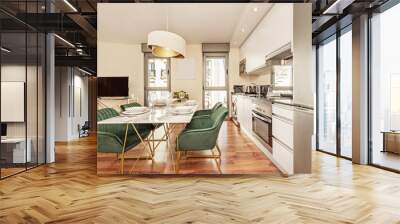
262	127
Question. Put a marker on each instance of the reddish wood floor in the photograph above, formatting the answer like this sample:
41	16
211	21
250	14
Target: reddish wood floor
239	156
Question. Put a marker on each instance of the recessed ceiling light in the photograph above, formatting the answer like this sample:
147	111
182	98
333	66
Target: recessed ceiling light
242	30
64	40
255	9
5	50
70	6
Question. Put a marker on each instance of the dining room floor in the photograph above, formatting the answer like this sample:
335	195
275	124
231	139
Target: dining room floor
239	155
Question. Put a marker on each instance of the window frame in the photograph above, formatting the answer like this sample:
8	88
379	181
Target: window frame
334	37
147	89
220	88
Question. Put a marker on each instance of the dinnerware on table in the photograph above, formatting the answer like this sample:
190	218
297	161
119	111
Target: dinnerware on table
190	103
135	110
180	110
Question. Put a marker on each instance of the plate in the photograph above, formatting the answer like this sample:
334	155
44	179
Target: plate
190	103
182	110
135	111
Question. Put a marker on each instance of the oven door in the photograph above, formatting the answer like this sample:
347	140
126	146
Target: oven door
262	127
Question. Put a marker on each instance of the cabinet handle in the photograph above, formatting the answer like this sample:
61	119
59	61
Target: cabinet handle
283	119
282	144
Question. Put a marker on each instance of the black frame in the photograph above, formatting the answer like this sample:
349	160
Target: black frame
382	8
43	53
334	37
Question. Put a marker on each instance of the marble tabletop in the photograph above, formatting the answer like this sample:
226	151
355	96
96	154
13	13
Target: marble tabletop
155	115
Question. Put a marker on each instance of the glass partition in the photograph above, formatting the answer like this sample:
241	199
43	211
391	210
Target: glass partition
22	77
346	93
327	96
385	90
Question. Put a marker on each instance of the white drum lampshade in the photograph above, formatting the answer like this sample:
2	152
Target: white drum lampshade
166	44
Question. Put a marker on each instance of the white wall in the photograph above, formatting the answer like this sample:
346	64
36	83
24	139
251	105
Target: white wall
116	59
192	87
69	82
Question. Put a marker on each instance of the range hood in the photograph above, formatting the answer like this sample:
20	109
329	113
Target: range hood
274	58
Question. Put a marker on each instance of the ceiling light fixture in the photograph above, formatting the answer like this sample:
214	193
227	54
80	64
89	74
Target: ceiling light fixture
242	30
337	7
166	44
5	50
84	71
255	9
64	40
70	5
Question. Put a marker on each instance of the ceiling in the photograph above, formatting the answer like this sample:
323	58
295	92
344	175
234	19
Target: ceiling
196	22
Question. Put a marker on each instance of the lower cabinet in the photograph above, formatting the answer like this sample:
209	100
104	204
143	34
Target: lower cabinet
282	142
283	156
245	106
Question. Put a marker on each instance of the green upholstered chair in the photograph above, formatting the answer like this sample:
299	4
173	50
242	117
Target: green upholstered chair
202	134
110	137
207	112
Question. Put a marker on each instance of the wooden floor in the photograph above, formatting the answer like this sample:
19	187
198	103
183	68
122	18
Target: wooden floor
69	191
239	155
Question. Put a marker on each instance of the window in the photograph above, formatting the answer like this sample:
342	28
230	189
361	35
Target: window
385	89
334	115
157	79
215	79
327	96
346	93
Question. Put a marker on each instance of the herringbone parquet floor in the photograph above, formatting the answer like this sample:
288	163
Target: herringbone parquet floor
71	192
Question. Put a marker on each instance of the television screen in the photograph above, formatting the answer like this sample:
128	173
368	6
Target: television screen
112	86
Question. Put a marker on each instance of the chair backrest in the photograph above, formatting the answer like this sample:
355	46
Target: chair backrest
106	113
126	106
219	116
216	106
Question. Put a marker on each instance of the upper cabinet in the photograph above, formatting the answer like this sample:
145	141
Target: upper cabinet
274	31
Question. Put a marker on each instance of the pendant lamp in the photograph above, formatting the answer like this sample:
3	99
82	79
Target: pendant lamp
166	44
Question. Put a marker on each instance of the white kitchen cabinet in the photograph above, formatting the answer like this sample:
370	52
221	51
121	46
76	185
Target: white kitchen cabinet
291	131
245	106
283	156
268	36
282	129
282	132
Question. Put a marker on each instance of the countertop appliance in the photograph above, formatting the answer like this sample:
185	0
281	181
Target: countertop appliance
251	89
238	88
262	90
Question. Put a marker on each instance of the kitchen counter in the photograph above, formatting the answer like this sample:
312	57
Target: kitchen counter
279	100
290	102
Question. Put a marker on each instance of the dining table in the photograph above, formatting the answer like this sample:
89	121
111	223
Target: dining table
166	116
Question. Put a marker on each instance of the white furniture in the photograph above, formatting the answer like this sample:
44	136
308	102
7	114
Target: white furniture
244	107
157	115
282	136
292	130
17	146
